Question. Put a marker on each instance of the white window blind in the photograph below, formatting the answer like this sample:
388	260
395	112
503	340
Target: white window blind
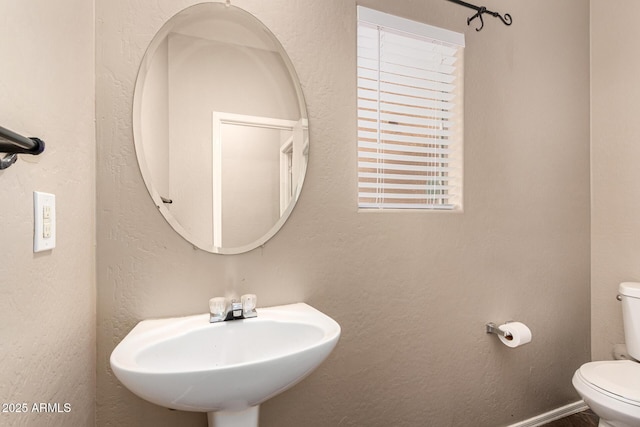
409	114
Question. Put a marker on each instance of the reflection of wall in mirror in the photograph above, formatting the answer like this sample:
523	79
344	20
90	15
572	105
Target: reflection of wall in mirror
155	121
204	76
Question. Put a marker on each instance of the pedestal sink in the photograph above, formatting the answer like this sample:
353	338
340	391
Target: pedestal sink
226	369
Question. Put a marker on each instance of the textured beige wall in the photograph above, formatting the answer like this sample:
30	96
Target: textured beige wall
412	291
615	147
47	300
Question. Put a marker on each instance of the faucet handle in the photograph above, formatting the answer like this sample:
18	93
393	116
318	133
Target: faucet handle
217	308
249	305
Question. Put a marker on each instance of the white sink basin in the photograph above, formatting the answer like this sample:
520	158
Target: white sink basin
190	364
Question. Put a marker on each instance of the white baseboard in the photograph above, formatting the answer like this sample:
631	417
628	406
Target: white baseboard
556	414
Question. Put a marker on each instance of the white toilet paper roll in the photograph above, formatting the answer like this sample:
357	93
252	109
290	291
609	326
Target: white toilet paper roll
517	334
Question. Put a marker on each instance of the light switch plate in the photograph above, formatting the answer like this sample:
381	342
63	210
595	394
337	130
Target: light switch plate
44	221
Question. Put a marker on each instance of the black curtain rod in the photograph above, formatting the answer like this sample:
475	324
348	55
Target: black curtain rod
481	10
14	144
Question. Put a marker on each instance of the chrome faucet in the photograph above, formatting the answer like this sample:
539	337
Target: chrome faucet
221	309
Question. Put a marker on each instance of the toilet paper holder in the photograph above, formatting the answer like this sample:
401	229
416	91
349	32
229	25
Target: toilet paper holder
492	328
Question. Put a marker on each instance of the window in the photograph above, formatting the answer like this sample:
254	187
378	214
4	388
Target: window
410	114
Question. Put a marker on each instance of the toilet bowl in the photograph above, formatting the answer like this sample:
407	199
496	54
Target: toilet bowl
612	391
612	388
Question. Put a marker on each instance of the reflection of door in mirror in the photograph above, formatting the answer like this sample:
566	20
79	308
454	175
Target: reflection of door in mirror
253	163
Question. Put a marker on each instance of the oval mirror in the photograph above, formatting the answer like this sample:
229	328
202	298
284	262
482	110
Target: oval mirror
220	128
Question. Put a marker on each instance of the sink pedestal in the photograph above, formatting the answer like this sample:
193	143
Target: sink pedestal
246	418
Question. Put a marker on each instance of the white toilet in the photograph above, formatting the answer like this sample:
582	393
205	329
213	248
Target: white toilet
612	388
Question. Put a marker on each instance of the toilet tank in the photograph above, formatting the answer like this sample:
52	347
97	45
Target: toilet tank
630	293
